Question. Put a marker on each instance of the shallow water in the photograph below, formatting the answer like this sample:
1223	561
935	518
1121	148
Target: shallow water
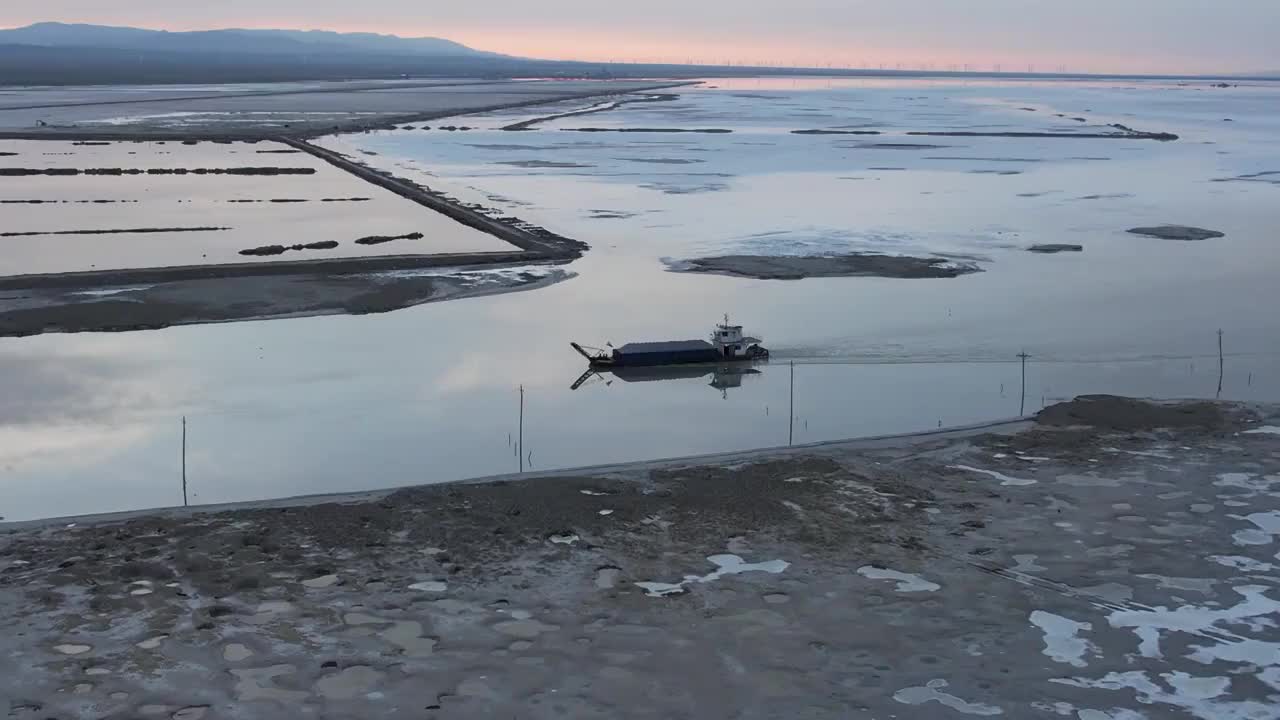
93	422
244	211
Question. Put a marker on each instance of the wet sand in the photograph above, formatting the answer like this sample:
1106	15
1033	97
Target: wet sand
1031	570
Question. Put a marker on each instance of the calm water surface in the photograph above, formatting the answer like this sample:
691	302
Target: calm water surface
93	422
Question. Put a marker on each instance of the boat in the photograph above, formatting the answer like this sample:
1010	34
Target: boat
727	344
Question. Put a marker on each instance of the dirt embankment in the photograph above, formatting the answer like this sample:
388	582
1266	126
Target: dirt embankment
237	296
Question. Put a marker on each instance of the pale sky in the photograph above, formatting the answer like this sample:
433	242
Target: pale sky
1156	36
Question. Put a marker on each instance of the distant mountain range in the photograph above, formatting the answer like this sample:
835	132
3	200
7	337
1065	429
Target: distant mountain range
283	43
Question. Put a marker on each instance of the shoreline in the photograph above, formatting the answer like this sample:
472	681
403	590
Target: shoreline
1019	573
383	122
898	441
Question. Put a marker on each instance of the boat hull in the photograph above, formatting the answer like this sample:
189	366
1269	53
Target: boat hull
654	359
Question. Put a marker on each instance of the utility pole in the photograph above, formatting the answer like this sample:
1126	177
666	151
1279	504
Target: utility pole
184	461
1022	407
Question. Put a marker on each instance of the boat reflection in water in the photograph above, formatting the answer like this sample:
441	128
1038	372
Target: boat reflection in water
723	376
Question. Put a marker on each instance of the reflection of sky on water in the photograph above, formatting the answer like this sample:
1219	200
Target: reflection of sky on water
343	403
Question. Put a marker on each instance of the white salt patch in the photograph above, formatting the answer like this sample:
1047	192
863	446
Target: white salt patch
605	512
931	692
1148	642
1199	697
933	511
794	480
734	565
111	291
429	586
323	581
1235	503
1026	563
725	565
1004	479
1059	708
999	456
1140	453
564	539
1032	458
1240	562
657	589
73	649
1060	641
593	492
1268	522
1210	624
906	581
1248	651
152	643
141	591
235	652
97	671
1264	430
1246	481
1251	537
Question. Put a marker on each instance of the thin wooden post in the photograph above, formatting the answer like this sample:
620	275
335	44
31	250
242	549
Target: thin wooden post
1221	364
520	444
791	416
184	461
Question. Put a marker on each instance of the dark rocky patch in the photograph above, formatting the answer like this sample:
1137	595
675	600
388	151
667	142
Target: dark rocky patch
65	202
24	172
984	159
535	164
1177	232
1106	196
269	250
90	142
674	189
1050	248
898	146
380	239
114	232
277	152
662	161
1270	176
1123	135
705	131
835	132
1112	412
778	267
